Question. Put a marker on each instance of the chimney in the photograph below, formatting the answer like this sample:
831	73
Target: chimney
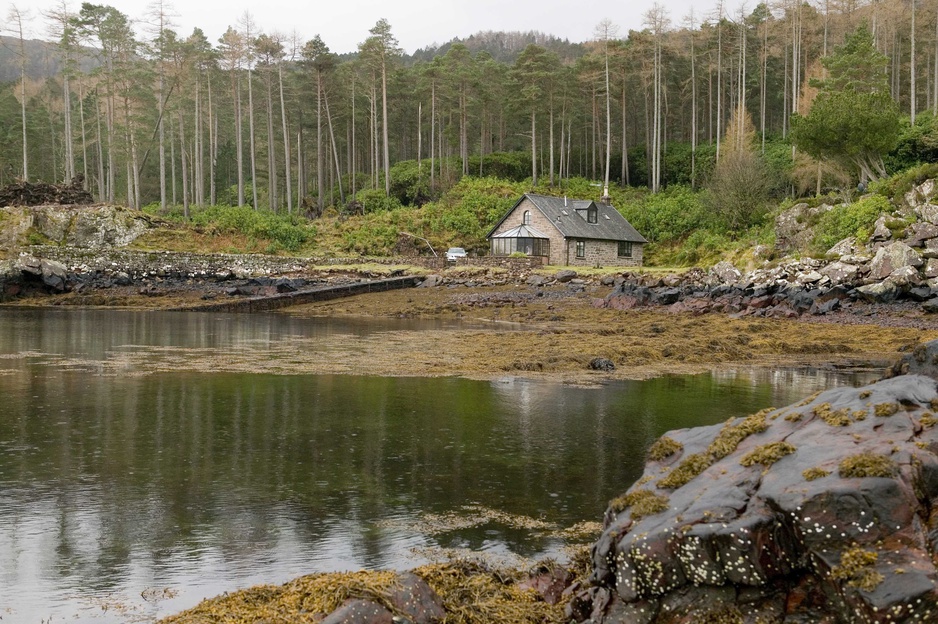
605	198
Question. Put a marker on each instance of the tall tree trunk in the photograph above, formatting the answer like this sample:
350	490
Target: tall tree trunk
17	17
352	162
335	152
185	175
913	92
693	114
239	139
384	127
719	132
102	188
433	133
763	81
251	130
300	169
551	139
212	144
286	142
172	157
272	200
69	143
625	147
320	196
161	104
533	149
608	125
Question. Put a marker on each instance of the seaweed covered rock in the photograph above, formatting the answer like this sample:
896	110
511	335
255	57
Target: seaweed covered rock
822	511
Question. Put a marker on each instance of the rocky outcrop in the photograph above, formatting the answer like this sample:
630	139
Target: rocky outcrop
89	227
793	227
822	511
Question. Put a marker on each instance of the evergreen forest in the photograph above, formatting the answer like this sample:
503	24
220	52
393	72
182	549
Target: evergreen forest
699	126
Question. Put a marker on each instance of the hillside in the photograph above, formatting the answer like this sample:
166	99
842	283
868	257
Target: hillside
43	60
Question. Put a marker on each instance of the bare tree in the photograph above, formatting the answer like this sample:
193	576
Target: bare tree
232	54
15	19
159	20
62	28
656	19
606	31
247	24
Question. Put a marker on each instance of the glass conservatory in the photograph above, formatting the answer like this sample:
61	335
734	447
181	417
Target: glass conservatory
522	239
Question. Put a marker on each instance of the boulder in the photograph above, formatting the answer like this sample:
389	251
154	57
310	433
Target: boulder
412	596
725	272
880	231
892	257
432	281
840	272
565	275
879	292
793	231
921	194
931	268
846	247
602	364
922	360
920	233
815	512
927	213
931	249
54	275
359	612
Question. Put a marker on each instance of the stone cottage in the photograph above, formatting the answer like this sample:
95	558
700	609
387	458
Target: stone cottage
567	232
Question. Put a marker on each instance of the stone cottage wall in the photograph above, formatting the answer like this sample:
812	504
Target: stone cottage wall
604	254
538	222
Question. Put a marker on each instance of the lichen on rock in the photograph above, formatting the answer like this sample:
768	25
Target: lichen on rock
834	533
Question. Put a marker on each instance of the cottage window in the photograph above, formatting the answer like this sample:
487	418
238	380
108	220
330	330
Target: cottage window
526	218
625	249
580	249
592	215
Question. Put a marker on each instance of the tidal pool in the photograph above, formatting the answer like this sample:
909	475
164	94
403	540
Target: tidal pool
130	491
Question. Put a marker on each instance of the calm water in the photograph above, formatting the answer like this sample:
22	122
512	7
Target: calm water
117	485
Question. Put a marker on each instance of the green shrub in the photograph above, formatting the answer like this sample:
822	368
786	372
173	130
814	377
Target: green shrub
898	185
514	166
856	219
667	216
283	231
410	183
374	200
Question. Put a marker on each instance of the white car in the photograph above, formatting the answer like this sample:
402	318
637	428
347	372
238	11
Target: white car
455	253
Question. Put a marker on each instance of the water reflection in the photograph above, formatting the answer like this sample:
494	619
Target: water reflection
111	486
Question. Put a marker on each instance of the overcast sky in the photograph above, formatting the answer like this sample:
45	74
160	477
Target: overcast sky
343	24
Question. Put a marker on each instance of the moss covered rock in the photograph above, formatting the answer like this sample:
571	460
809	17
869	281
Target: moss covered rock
825	517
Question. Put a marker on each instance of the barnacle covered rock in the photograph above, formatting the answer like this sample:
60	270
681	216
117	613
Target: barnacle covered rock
823	517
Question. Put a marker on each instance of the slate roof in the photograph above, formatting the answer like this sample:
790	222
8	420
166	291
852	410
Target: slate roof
522	231
563	214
